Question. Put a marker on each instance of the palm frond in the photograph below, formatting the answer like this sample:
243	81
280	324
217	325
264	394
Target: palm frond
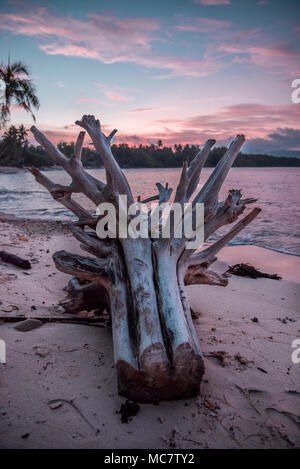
19	68
19	89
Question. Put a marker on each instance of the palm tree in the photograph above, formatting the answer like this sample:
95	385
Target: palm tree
14	145
19	90
22	134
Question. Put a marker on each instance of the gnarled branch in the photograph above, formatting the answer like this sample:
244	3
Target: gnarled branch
100	248
102	145
196	166
209	192
212	250
81	180
96	270
60	193
78	145
197	274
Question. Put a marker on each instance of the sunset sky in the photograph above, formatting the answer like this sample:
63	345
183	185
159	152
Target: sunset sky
177	70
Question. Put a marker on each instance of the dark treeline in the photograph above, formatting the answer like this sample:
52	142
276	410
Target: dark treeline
16	151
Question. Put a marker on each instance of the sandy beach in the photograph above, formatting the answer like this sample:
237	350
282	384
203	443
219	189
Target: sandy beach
58	388
11	170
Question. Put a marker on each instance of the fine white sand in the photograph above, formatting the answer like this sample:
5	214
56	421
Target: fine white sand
58	388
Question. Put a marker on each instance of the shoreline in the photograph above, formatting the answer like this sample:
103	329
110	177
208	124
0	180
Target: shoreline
279	250
269	260
17	169
64	221
66	396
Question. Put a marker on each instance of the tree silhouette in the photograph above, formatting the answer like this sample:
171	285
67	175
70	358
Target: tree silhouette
19	90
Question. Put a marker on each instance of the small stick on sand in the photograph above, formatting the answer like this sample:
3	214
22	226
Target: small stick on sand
15	260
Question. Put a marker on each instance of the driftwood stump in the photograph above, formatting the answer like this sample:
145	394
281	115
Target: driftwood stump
156	349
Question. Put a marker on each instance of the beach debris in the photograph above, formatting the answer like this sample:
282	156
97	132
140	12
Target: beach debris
85	296
41	351
28	325
244	362
254	319
195	314
15	260
72	319
247	270
128	410
23	238
262	370
9	308
209	404
8	277
173	441
220	355
285	320
225	359
26	435
55	405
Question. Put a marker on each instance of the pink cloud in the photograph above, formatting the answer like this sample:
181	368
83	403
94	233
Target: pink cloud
83	99
254	120
143	109
104	38
213	2
67	133
204	25
119	97
129	40
112	40
58	134
181	66
278	58
69	50
262	124
112	92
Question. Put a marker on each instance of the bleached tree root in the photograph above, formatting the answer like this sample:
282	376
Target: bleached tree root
156	349
175	382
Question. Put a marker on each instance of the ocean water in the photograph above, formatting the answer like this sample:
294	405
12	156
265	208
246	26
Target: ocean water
277	189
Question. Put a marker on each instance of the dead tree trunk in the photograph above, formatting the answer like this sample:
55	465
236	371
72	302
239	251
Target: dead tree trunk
156	349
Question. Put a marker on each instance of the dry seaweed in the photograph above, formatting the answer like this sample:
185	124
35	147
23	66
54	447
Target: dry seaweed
247	270
128	410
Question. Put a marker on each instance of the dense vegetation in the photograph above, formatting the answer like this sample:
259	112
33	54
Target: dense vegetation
15	151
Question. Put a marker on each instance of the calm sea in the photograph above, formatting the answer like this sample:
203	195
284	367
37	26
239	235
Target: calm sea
277	189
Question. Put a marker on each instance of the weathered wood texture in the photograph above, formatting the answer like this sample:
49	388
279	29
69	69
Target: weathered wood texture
15	260
156	348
